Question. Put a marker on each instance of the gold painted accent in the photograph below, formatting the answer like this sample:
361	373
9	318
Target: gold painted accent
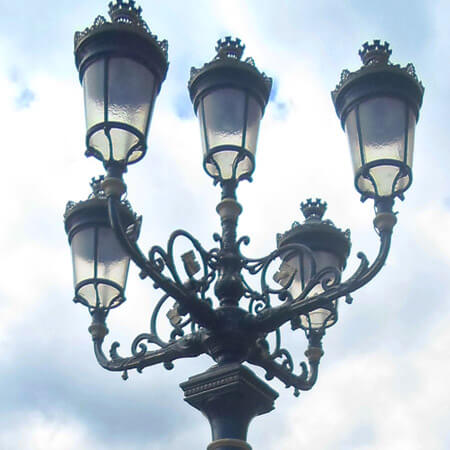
385	221
229	209
236	443
314	354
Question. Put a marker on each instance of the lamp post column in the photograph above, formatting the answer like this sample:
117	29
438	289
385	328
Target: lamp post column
230	396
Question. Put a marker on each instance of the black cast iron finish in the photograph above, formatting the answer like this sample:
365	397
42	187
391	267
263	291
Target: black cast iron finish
230	396
377	78
230	333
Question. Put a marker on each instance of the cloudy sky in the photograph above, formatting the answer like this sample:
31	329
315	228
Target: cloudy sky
384	378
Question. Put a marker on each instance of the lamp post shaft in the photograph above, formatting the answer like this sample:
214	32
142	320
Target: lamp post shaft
230	396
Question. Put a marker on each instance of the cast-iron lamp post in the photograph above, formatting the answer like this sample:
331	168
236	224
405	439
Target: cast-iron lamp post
211	307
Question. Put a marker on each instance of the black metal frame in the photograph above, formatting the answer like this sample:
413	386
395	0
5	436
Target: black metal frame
227	70
93	214
379	78
127	35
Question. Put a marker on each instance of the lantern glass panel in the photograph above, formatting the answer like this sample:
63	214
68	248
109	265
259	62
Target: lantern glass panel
94	92
131	88
83	254
381	129
112	261
253	120
224	111
316	319
229	122
412	120
382	122
119	93
302	265
100	265
351	129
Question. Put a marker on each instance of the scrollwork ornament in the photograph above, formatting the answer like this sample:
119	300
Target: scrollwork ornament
187	281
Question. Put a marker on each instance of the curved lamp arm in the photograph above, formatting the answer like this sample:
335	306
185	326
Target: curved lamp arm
307	378
270	319
201	311
188	346
303	382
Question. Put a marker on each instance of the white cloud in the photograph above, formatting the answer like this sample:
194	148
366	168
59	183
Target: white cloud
35	431
382	385
432	225
396	399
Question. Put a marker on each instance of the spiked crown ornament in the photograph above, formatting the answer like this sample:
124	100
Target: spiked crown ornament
375	53
313	208
229	48
125	12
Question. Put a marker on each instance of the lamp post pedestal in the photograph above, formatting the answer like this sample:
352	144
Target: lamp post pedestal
230	396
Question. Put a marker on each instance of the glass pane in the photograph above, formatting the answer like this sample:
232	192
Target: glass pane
301	264
100	142
402	183
107	294
325	259
130	92
294	267
83	255
225	160
112	260
382	122
353	140
365	185
384	178
93	87
253	121
202	127
317	318
245	166
300	267
122	142
411	129
88	293
224	116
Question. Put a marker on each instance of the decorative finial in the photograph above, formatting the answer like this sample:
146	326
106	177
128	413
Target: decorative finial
97	187
229	48
375	53
313	209
125	11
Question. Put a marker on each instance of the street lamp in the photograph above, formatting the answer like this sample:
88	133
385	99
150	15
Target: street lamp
211	306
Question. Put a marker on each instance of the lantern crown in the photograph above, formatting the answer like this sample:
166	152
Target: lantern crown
229	48
313	209
125	12
375	52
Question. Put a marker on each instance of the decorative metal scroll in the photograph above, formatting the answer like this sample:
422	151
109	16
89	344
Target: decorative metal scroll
190	311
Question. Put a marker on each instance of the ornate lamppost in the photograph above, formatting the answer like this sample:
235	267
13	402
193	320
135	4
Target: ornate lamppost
213	308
